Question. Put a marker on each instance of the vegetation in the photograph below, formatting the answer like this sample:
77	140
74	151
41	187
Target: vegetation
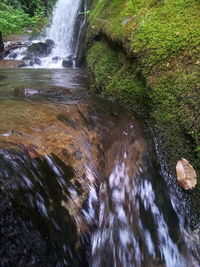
159	69
16	16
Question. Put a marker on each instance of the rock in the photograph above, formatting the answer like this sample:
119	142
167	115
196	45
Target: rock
80	29
39	49
32	63
50	43
13	55
25	92
1	44
71	57
36	61
30	92
55	59
23	64
27	57
68	62
186	175
4	64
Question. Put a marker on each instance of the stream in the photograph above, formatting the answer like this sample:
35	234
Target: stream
80	183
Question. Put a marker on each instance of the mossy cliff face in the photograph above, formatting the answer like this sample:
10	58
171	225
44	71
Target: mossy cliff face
146	53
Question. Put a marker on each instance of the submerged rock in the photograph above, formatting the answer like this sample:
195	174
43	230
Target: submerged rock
186	175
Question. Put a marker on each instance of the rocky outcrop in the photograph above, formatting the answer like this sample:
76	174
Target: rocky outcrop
80	29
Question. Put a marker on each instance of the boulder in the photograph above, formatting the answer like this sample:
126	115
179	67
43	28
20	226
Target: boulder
27	57
55	59
39	49
38	61
68	62
13	55
50	43
35	61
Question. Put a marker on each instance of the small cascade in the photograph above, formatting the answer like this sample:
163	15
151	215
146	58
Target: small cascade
137	223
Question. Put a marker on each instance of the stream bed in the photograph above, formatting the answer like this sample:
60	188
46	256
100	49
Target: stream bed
79	180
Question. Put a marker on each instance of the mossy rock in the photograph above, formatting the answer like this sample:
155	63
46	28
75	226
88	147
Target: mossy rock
146	54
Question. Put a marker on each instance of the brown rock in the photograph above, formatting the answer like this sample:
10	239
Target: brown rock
4	64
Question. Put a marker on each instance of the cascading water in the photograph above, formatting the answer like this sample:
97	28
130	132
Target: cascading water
61	31
62	27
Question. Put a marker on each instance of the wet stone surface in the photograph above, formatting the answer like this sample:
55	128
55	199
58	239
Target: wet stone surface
79	181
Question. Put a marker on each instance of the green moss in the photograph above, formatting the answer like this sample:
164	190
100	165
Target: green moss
103	63
155	30
114	76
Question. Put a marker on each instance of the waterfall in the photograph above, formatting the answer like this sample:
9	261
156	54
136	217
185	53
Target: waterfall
62	27
67	30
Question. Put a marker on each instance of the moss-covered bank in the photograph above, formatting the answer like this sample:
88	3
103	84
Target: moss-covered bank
147	54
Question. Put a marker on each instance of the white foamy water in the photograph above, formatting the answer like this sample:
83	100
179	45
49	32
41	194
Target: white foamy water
129	210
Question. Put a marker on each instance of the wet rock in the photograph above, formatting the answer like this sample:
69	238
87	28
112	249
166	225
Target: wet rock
13	55
4	64
1	43
35	61
186	175
27	58
80	29
23	64
50	43
41	91
38	61
67	63
55	59
71	57
39	49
